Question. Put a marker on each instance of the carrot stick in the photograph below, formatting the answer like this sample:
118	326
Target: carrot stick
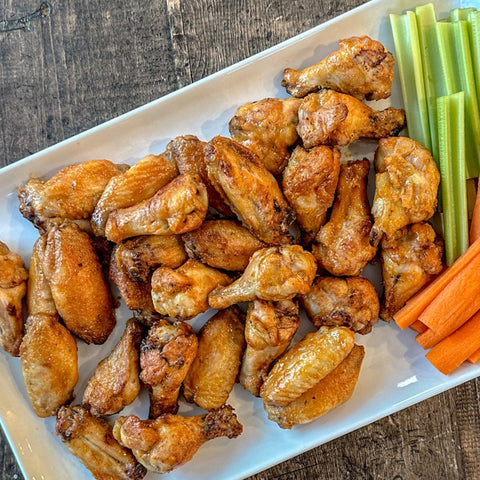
457	347
429	338
475	225
474	357
417	304
418	326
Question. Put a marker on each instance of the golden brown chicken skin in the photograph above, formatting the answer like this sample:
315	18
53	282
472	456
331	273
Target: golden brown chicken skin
115	382
178	207
138	183
249	189
214	371
13	287
410	258
170	441
268	128
361	67
309	184
351	302
322	120
79	288
342	246
222	244
406	185
91	440
166	354
269	329
274	273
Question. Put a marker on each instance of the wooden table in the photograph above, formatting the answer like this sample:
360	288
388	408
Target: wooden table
85	62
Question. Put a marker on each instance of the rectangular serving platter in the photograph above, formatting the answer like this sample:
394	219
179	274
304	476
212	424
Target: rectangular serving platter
395	373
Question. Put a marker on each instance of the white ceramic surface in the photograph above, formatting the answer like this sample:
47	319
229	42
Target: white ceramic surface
395	373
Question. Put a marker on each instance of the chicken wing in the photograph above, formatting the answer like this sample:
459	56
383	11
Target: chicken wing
410	258
91	440
115	382
222	244
170	441
79	289
274	273
361	67
166	354
309	183
269	328
13	287
322	120
342	245
178	207
268	128
72	193
406	186
249	189
351	302
138	183
183	292
214	371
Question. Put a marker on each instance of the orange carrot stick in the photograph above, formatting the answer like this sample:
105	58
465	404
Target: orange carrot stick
474	357
429	338
418	326
475	225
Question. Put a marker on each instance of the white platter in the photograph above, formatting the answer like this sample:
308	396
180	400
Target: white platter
395	373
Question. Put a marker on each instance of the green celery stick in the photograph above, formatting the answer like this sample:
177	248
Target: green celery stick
460	13
474	27
448	59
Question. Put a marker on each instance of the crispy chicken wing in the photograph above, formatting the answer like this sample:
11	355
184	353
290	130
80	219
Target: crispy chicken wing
214	371
267	127
406	186
138	183
165	356
351	302
249	189
342	245
91	440
115	382
309	183
410	258
269	328
170	440
223	244
178	207
274	273
79	288
13	287
322	120
182	293
330	392
361	67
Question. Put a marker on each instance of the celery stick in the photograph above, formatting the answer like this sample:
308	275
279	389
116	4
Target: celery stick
460	13
474	24
448	59
407	47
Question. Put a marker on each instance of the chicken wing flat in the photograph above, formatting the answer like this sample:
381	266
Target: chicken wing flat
410	258
351	302
269	328
183	292
342	246
13	287
268	128
214	371
91	440
170	441
79	288
223	244
361	67
249	189
115	382
330	392
166	354
178	207
138	183
274	273
305	364
321	120
309	183
72	193
406	186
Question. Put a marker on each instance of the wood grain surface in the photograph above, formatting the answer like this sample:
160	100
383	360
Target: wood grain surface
82	62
